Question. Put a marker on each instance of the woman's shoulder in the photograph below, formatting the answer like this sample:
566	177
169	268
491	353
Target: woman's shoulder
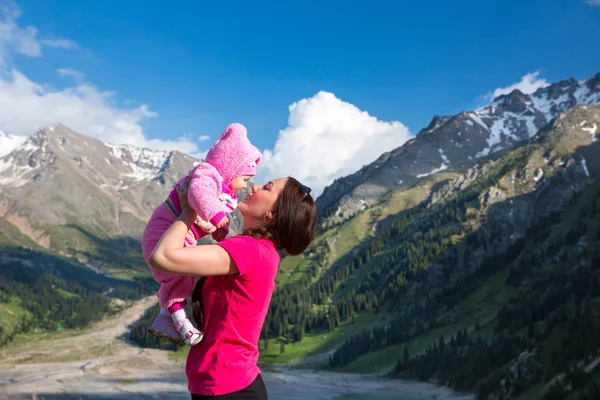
250	242
251	247
250	253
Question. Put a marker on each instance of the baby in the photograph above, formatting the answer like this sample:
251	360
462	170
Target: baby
229	165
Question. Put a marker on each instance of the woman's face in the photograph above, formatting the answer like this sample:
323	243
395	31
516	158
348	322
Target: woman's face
260	201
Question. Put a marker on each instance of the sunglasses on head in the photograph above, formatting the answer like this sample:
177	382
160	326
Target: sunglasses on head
305	190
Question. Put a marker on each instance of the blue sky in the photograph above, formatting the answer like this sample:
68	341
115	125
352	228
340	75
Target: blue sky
199	67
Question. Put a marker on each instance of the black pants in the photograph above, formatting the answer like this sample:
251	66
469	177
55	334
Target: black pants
255	391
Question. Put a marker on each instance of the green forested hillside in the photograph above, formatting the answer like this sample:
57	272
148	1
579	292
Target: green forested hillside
485	279
494	267
40	291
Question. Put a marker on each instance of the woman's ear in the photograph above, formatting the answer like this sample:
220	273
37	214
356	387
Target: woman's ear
269	216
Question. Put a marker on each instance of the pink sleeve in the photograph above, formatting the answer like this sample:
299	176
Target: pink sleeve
244	251
204	191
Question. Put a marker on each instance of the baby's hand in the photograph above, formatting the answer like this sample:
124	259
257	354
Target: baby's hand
222	223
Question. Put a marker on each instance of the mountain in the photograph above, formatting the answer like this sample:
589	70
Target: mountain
482	274
59	180
72	212
453	142
69	192
485	278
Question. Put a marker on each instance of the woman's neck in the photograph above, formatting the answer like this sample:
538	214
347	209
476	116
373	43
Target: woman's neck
249	224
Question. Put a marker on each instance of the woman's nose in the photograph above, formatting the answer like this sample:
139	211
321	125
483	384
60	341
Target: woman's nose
255	188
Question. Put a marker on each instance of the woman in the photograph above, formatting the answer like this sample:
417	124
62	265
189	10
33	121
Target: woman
240	271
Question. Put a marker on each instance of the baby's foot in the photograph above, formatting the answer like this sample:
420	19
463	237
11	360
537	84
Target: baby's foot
163	328
189	333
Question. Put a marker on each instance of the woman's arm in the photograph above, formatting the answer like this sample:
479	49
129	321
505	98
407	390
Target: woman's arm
171	256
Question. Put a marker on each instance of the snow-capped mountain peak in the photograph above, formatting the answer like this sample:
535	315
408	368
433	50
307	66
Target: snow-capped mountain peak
453	141
10	142
108	165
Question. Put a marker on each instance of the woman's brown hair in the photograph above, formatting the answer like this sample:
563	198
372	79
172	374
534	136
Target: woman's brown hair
293	228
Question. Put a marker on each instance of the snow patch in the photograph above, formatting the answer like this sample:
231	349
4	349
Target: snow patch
499	128
441	168
475	117
482	153
145	164
532	130
592	131
15	174
545	106
583	94
539	175
445	163
444	158
585	168
4	165
8	143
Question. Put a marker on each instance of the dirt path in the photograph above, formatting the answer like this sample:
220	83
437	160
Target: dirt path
100	364
104	338
100	361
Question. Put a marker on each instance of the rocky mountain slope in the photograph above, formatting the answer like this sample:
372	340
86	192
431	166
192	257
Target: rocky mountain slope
72	211
453	142
469	272
59	181
71	193
463	278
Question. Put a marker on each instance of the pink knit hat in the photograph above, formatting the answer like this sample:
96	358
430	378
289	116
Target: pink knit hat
250	169
233	155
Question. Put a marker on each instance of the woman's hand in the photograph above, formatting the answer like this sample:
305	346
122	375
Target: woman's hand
182	192
220	234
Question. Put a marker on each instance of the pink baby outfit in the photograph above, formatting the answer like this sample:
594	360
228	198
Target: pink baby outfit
209	195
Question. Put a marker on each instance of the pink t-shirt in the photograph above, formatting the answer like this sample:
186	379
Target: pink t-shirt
235	307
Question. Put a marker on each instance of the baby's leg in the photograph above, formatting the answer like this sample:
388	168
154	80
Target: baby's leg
177	295
172	323
174	288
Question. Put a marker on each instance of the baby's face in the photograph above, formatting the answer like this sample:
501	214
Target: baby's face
239	183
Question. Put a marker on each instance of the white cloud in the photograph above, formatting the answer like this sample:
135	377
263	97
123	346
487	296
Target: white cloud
26	106
593	2
70	72
60	43
528	84
203	138
327	138
14	38
23	40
